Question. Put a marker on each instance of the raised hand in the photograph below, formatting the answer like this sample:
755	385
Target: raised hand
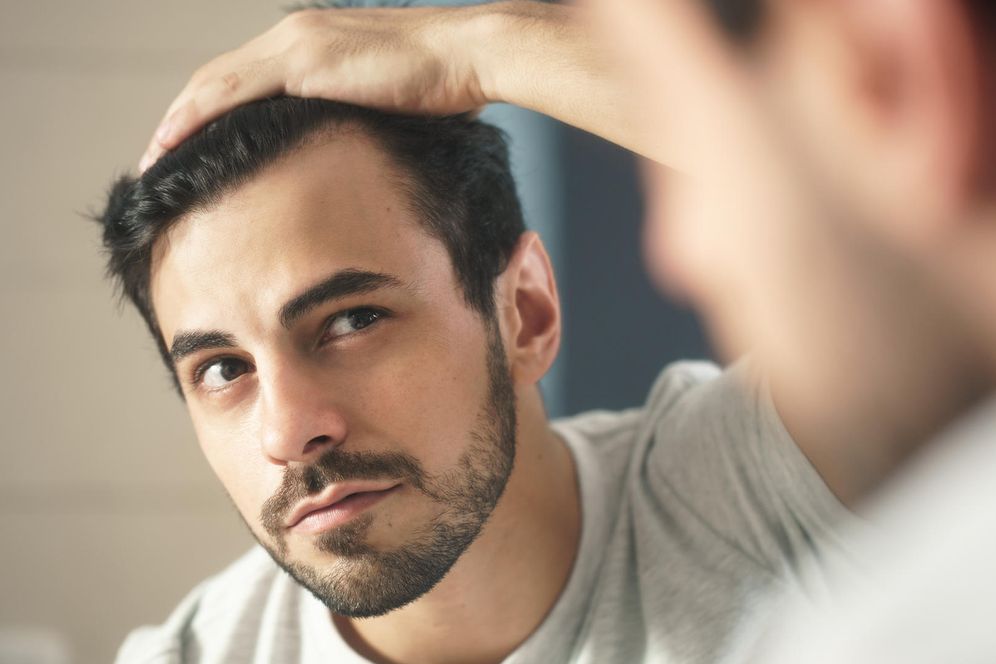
437	60
418	60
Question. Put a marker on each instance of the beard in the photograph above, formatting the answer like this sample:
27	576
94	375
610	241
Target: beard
364	581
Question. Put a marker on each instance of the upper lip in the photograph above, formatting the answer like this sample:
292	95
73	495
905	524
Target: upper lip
333	494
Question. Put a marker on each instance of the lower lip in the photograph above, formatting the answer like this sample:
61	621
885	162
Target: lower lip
341	512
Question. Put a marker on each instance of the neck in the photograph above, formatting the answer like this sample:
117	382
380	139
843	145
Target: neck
506	582
897	364
967	272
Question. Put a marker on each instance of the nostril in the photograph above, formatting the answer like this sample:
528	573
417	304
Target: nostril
317	441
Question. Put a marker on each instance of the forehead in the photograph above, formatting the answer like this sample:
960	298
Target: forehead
332	205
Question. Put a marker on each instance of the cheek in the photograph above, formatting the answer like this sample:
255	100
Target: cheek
237	461
423	397
419	395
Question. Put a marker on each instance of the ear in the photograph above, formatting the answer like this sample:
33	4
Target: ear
529	310
894	93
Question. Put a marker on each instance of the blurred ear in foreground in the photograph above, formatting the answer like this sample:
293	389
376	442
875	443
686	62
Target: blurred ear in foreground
897	87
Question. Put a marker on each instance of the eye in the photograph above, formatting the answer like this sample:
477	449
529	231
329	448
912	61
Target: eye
220	372
351	321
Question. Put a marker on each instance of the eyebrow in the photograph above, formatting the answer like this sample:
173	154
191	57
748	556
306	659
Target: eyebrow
341	284
188	342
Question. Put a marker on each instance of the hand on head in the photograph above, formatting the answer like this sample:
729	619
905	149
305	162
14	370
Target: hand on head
392	59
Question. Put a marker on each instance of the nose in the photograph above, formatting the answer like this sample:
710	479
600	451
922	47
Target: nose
299	418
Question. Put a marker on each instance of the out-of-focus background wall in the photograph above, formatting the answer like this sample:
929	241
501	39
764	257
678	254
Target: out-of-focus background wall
108	514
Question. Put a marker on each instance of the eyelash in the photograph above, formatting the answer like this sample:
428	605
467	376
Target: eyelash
379	314
198	375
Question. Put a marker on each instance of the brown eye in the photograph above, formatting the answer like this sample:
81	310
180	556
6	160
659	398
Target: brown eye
223	371
351	321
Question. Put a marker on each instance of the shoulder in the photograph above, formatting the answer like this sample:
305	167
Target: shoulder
708	428
698	406
687	395
698	392
211	612
684	399
676	380
683	392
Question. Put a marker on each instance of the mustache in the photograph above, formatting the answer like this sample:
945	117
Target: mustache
336	465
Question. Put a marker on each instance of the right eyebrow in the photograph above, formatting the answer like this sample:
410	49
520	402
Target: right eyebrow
187	342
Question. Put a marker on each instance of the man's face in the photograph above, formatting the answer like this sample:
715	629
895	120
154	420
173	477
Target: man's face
359	414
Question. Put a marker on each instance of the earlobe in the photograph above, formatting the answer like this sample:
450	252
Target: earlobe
530	310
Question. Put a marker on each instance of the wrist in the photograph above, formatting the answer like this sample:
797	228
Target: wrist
472	39
494	38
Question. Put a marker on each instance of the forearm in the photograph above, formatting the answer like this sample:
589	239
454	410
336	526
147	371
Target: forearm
435	60
549	59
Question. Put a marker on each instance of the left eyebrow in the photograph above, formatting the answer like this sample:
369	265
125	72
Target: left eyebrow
341	284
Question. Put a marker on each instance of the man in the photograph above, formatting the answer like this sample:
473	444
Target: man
844	391
886	108
819	404
357	322
817	122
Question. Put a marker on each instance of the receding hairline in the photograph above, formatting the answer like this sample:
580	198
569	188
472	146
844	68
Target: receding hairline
321	136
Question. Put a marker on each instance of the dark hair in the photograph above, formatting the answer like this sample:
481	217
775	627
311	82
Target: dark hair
741	19
455	172
984	13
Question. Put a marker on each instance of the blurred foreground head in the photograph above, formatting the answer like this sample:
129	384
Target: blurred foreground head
835	210
873	117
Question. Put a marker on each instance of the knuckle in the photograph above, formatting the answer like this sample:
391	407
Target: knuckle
296	80
305	55
231	81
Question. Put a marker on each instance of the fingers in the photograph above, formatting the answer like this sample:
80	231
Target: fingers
379	58
208	96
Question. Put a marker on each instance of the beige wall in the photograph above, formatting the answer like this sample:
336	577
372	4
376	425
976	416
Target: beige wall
108	515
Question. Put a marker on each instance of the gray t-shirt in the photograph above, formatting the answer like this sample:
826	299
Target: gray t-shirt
926	588
692	506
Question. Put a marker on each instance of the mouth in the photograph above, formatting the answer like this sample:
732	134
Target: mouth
336	505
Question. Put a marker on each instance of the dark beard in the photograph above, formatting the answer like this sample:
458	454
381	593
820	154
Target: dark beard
365	582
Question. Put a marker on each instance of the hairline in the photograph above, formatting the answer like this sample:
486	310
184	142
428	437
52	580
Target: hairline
318	137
